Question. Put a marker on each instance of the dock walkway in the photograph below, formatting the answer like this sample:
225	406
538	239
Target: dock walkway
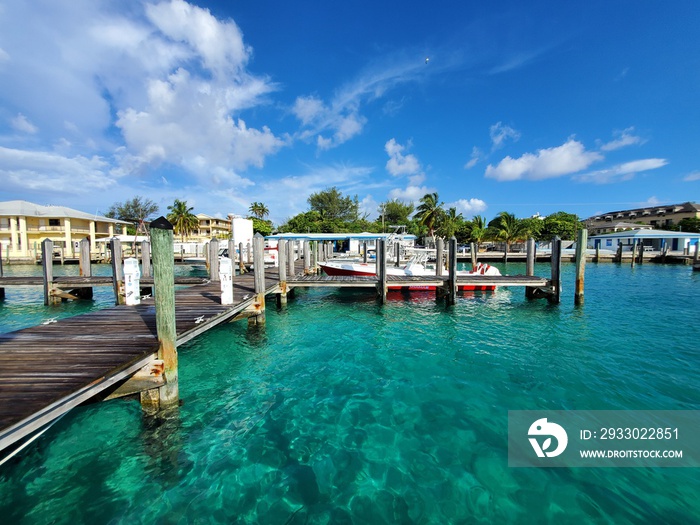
49	369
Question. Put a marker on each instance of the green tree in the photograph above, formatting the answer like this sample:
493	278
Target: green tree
332	205
534	227
559	224
689	224
508	228
307	222
259	210
429	211
136	211
261	226
183	220
477	230
394	212
449	222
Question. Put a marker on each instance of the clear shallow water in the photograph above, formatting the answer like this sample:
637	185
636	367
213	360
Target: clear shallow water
342	411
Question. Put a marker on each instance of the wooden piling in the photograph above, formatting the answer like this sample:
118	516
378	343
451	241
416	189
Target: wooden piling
381	270
290	258
146	269
439	247
634	253
249	253
696	257
117	271
282	252
597	251
47	267
166	396
364	252
2	290
241	262
85	269
397	254
307	257
531	248
641	252
554	296
259	280
214	260
618	254
452	269
473	255
581	243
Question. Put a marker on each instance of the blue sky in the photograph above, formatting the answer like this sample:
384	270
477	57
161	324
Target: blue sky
527	107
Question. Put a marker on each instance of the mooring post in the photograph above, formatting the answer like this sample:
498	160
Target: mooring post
634	253
307	257
85	268
115	246
581	243
381	270
452	269
530	247
597	251
241	262
641	252
439	264
2	290
214	260
249	253
364	252
166	396
696	257
259	280
47	267
618	255
473	254
290	258
146	270
231	248
397	254
282	250
555	296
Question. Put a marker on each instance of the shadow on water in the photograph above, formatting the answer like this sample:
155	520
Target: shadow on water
162	439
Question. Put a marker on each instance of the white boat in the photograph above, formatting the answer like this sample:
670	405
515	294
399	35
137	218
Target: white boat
413	267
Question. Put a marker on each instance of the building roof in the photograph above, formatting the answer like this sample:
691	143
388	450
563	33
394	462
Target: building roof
685	207
29	209
647	234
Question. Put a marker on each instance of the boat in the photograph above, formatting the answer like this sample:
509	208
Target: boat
413	268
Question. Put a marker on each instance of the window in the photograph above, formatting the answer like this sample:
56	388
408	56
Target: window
54	222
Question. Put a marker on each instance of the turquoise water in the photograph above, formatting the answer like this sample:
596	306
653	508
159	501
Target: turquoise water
343	411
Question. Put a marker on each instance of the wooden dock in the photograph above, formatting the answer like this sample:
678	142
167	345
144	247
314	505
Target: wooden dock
49	369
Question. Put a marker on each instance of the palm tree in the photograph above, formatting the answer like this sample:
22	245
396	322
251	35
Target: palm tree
509	229
477	230
429	211
259	210
449	222
183	220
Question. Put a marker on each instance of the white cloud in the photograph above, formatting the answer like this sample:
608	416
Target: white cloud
621	172
468	207
340	118
173	74
652	201
500	133
4	57
398	163
21	123
410	193
566	159
690	177
475	158
623	138
42	171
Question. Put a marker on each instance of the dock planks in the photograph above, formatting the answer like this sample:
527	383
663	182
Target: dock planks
46	370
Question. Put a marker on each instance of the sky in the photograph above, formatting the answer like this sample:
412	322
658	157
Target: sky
527	107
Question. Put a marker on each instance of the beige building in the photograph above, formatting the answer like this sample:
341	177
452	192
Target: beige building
657	217
212	227
23	225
